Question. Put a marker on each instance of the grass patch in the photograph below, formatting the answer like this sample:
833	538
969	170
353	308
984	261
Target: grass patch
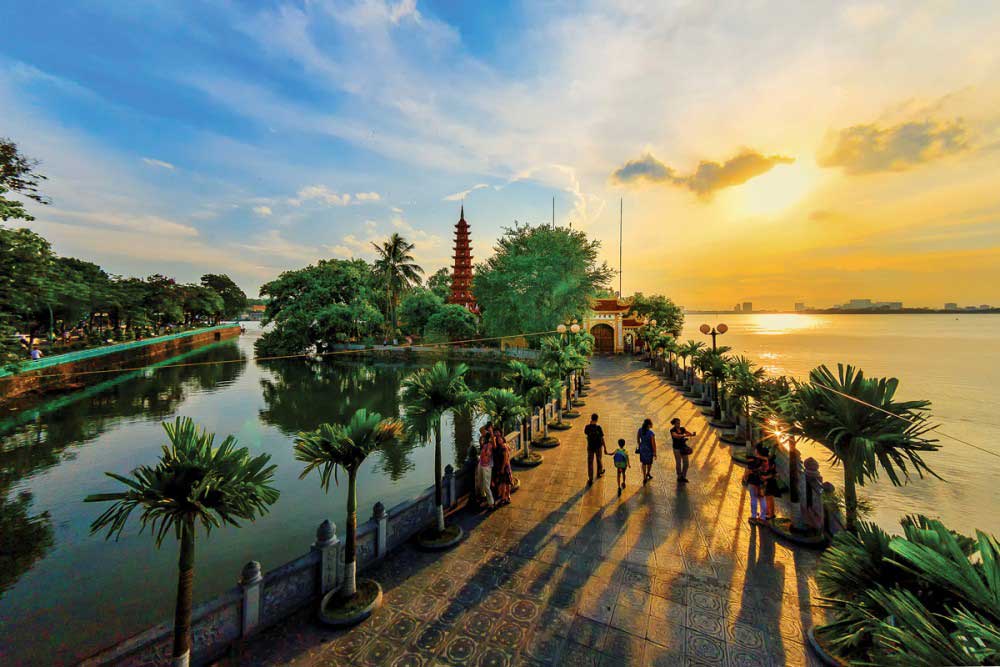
558	426
547	441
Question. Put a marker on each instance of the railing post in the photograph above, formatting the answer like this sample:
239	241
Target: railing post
449	486
381	518
250	581
328	546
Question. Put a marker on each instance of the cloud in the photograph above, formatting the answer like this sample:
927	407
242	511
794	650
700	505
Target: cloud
148	224
707	179
262	211
865	149
327	196
153	162
367	196
458	196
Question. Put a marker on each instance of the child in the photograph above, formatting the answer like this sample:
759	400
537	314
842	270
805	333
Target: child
621	463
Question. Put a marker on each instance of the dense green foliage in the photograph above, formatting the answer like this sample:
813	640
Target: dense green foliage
234	299
667	314
439	282
537	278
45	295
17	175
319	306
450	323
928	597
416	308
396	272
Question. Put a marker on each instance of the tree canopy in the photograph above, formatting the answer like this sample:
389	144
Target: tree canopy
452	322
439	282
233	298
538	277
17	175
417	308
667	314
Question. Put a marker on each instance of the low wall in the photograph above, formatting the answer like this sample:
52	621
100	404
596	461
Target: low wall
450	352
74	370
261	600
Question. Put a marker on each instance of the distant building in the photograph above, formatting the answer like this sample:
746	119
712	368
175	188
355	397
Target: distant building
736	308
858	304
747	307
951	306
799	306
984	306
868	304
461	273
254	313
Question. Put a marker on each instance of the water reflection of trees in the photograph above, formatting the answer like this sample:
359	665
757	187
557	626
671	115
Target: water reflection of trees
301	395
45	433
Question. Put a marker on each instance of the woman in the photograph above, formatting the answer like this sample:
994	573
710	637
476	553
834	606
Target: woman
769	479
679	435
752	480
646	449
503	475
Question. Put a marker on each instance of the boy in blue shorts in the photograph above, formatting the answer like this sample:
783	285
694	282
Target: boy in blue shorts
621	463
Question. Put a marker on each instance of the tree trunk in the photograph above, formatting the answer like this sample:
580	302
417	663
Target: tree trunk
185	586
350	545
438	501
850	498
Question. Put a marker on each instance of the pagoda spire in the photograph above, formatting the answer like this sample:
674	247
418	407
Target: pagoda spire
461	274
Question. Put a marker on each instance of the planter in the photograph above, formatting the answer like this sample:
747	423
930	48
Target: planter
825	656
701	402
548	442
732	439
709	412
783	528
723	424
431	540
341	613
530	461
578	404
556	426
740	457
571	414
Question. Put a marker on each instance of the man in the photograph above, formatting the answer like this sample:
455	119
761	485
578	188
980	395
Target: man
36	354
595	447
484	468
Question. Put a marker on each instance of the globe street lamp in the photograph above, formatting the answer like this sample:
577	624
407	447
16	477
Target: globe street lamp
714	332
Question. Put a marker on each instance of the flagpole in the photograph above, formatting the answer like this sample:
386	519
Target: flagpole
621	217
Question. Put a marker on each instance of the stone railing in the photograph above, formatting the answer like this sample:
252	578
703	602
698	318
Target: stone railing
261	599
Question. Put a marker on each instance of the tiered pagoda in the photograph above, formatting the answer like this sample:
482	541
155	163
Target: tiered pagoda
461	274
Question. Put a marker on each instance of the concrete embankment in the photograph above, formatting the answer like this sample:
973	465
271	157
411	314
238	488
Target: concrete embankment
74	370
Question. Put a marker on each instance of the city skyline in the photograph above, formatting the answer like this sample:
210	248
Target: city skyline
845	149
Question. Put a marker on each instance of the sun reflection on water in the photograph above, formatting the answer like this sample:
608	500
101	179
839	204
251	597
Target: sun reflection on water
776	324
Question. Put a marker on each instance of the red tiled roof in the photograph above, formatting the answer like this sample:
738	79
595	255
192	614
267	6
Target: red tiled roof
609	305
631	322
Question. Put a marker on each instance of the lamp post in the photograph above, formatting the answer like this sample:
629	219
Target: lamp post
714	332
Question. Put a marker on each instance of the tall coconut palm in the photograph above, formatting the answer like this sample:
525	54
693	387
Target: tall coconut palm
397	271
334	446
428	395
193	483
862	424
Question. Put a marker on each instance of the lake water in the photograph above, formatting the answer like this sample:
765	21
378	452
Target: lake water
951	360
65	593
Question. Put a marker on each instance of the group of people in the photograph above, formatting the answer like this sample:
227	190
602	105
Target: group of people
645	448
494	475
761	480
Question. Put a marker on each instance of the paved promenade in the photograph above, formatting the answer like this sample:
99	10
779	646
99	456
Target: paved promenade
571	575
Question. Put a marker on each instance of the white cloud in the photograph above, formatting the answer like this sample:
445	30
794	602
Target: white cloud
146	223
153	162
263	211
321	193
458	196
367	196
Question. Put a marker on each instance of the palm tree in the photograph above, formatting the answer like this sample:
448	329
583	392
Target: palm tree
396	269
529	383
504	408
427	395
560	360
333	446
743	382
863	426
193	483
687	351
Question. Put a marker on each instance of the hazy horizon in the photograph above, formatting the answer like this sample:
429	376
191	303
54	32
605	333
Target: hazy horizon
766	152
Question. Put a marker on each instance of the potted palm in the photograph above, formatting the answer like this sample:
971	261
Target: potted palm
743	383
506	410
531	384
194	483
688	350
428	395
327	449
560	360
863	425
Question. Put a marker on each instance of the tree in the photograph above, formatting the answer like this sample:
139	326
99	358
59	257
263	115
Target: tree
193	483
558	361
504	408
233	298
530	384
428	395
863	426
333	446
17	175
743	382
397	272
686	351
25	269
416	308
667	314
537	278
451	323
201	304
439	282
319	306
928	597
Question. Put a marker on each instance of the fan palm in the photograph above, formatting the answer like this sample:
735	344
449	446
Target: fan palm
528	382
863	426
428	395
504	408
743	383
717	369
560	360
193	483
333	446
686	351
396	269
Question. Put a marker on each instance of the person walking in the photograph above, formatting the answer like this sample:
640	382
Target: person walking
769	480
752	480
679	437
595	447
503	474
646	449
484	468
621	464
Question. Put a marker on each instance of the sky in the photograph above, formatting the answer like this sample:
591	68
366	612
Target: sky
773	152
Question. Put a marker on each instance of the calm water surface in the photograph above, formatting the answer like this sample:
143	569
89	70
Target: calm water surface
951	360
65	593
